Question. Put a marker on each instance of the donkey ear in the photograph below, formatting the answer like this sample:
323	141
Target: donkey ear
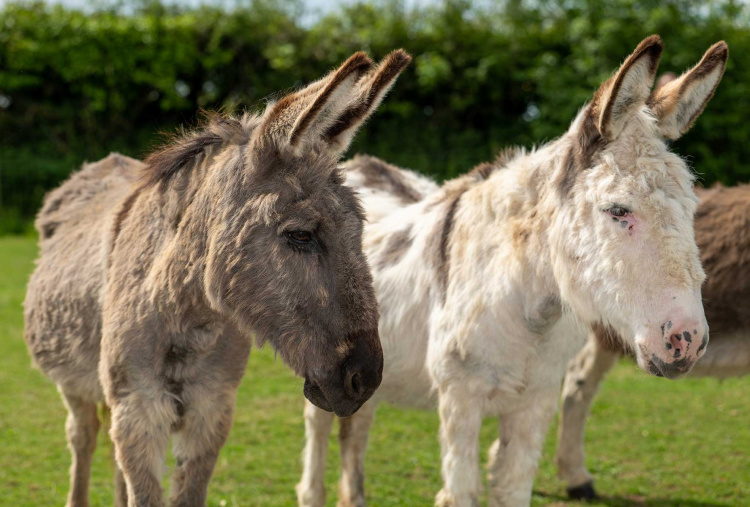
627	90
678	103
370	91
306	114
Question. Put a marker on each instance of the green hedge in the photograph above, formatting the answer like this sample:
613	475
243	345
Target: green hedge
74	85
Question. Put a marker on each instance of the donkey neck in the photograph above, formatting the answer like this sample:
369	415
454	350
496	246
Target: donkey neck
517	206
181	212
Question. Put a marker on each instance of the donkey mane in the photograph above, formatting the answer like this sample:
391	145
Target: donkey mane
507	155
183	147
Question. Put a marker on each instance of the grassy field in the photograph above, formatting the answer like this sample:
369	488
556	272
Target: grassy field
650	442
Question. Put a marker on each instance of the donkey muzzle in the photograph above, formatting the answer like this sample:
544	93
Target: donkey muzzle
346	388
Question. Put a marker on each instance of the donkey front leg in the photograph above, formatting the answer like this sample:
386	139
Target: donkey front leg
514	458
585	373
311	490
141	424
353	432
200	434
121	489
81	427
460	421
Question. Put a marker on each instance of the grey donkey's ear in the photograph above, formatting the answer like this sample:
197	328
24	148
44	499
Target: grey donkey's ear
628	89
307	114
679	102
370	91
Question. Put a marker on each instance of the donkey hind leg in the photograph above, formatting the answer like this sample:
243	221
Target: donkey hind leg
514	458
585	373
140	432
81	426
200	435
460	421
353	432
311	490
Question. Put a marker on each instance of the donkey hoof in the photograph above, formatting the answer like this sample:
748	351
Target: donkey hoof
585	491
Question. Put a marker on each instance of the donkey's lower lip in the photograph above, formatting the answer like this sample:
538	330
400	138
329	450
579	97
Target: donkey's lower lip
315	394
650	366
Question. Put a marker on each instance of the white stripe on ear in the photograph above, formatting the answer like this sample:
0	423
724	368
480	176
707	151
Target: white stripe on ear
330	102
306	114
371	90
629	88
678	103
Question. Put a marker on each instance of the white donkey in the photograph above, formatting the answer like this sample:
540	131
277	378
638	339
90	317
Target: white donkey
722	231
487	284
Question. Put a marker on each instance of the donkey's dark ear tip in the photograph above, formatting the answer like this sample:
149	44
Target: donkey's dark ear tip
652	41
650	47
359	62
719	50
398	58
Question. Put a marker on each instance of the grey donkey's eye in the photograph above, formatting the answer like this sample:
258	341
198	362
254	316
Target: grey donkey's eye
618	211
300	237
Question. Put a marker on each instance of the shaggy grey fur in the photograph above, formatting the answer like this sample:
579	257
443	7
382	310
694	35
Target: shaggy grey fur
153	278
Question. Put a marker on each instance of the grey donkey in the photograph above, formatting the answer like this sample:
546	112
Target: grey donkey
154	277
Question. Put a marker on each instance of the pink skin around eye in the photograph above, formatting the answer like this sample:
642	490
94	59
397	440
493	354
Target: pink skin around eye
627	222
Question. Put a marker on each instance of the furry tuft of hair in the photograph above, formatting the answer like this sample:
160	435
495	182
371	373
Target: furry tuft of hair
216	129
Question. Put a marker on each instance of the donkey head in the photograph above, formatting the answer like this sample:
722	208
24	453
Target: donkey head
286	260
632	248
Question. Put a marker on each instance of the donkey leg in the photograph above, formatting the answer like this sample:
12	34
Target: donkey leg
585	373
311	490
515	459
460	421
200	435
121	490
353	433
140	431
81	426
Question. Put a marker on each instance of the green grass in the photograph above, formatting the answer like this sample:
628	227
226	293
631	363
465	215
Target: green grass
650	441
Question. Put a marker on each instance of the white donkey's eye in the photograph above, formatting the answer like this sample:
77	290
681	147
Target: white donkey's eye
618	211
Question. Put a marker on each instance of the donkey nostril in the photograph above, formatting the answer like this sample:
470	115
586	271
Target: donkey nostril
675	343
354	387
356	383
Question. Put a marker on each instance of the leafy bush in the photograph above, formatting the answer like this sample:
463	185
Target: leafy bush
75	86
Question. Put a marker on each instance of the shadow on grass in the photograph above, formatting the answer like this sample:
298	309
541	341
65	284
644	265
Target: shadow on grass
634	501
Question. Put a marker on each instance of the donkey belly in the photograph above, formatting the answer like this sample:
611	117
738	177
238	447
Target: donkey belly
404	336
63	330
63	299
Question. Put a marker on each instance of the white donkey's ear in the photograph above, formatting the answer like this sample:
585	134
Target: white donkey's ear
678	103
305	115
628	89
370	91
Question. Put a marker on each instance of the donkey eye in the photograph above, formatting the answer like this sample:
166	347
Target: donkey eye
618	211
301	237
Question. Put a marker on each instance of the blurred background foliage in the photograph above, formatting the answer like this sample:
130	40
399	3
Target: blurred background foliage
75	85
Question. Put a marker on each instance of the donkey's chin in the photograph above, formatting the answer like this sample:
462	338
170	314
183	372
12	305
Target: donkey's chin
315	395
660	368
341	405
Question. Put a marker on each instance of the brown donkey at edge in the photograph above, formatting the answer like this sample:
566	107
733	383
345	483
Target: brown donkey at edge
153	277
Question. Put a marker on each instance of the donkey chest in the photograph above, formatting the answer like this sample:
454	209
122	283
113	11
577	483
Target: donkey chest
513	353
